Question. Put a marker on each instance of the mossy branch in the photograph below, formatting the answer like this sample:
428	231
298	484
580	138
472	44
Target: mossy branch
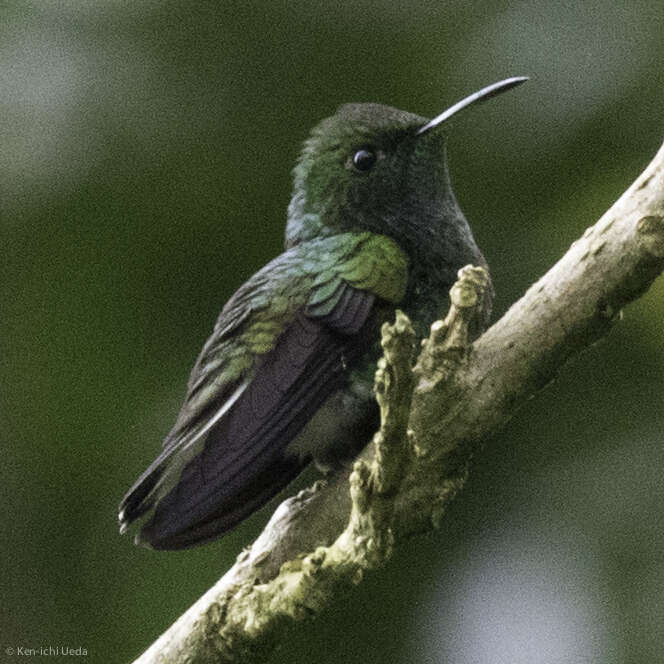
433	417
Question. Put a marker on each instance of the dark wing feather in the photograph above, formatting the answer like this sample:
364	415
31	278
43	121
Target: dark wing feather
242	462
280	347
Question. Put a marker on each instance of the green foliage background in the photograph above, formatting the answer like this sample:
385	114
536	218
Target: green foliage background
145	156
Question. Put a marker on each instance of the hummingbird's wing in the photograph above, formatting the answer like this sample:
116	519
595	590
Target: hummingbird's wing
280	347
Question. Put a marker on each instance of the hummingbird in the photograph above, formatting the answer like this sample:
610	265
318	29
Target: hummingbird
286	376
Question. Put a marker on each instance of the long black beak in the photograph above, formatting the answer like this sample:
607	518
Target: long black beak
480	95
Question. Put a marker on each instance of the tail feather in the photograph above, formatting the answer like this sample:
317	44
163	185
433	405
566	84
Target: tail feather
142	495
163	531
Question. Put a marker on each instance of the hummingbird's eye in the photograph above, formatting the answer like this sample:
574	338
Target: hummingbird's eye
364	159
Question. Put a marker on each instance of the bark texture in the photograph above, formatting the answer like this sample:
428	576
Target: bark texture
434	416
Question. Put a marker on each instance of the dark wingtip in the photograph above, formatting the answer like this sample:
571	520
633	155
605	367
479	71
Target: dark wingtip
138	500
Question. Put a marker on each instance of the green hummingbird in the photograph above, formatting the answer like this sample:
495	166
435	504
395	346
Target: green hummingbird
287	374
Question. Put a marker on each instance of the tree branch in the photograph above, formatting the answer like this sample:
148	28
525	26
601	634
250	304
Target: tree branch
433	418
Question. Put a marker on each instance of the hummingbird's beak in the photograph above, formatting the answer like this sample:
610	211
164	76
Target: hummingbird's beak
481	95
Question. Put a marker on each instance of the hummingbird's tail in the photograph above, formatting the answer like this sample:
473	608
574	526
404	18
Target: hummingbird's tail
137	501
166	530
169	524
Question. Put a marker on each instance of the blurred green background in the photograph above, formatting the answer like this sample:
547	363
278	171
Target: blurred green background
145	157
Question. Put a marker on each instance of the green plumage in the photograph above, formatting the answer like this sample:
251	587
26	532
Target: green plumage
308	275
286	375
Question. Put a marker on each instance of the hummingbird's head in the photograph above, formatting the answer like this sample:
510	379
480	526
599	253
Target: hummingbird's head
353	171
373	167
